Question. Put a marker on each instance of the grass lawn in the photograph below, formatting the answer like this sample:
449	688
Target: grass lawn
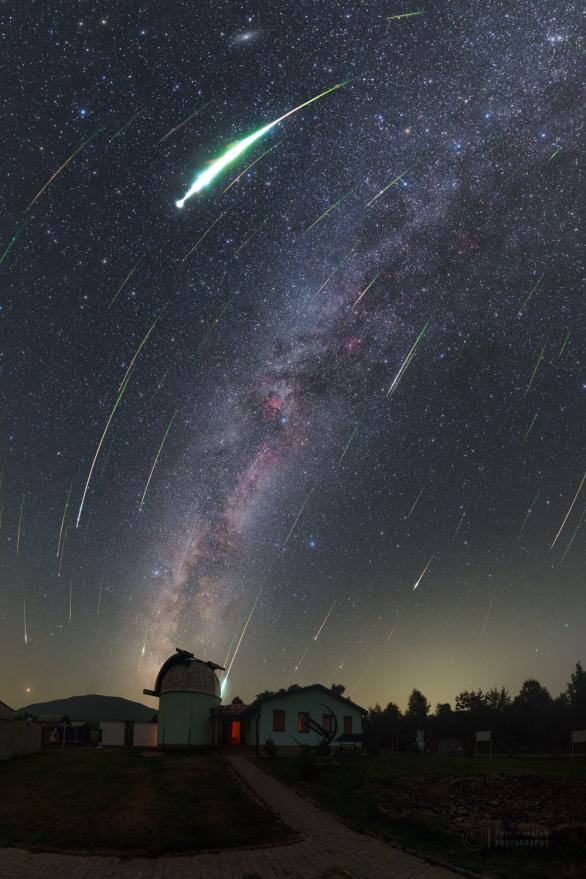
336	789
85	799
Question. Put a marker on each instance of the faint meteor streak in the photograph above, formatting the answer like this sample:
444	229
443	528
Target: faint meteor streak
448	473
141	344
337	668
531	425
573	535
70	597
258	228
99	447
539	361
100	596
464	514
131	272
418	496
205	233
19	523
324	622
207	176
217	321
565	340
325	213
236	179
125	126
284	648
63	519
395	626
382	192
143	648
569	511
65	163
406	15
531	294
462	348
363	676
421	578
186	548
298	514
348	255
489	609
181	124
303	657
366	289
109	450
24	611
531	507
407	360
157	458
356	428
13	240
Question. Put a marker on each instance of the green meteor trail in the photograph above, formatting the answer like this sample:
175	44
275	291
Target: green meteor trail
100	596
464	514
205	233
284	648
365	290
157	458
348	255
100	446
462	348
207	176
325	213
70	597
181	124
24	611
63	519
19	522
13	240
356	428
555	154
565	340
407	360
131	272
143	648
382	192
531	294
217	321
258	228
236	179
539	361
125	126
229	649
573	535
406	15
418	496
298	514
531	507
531	425
447	474
142	343
65	163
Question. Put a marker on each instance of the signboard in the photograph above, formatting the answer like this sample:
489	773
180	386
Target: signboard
483	736
579	736
420	736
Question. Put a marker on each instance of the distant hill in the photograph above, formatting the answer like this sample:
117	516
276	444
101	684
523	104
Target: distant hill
92	708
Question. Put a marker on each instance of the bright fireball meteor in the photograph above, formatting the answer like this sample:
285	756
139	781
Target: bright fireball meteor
421	578
206	177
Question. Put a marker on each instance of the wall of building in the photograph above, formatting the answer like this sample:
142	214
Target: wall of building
185	719
145	735
316	703
114	733
18	737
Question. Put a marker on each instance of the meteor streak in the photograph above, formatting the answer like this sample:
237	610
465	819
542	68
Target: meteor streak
531	425
141	344
63	519
569	511
230	648
565	340
366	289
24	611
217	321
65	163
181	124
573	535
418	496
382	192
285	647
448	473
462	348
207	176
143	647
348	255
555	154
99	447
539	361
356	428
19	522
125	126
397	623
13	240
100	596
109	450
131	272
324	622
62	550
406	15
258	228
157	458
337	668
303	657
298	514
363	676
531	294
464	514
236	179
205	233
531	507
186	548
420	579
489	609
70	596
325	213
407	360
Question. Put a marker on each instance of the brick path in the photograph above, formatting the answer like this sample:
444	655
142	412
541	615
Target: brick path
326	843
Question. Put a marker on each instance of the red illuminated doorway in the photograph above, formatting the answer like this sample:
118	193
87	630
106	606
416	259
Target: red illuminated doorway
235	733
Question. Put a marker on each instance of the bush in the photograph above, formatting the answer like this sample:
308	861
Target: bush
308	769
270	748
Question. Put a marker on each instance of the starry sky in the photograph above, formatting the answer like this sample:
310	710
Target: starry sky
320	404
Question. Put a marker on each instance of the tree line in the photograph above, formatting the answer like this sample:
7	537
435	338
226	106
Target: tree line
533	719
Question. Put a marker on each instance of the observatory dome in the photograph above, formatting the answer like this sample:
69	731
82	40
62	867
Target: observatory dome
191	676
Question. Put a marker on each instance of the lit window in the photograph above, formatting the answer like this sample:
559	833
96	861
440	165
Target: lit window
278	721
303	722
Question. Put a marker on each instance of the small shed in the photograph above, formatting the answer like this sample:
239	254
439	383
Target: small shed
17	737
6	713
145	735
80	732
114	732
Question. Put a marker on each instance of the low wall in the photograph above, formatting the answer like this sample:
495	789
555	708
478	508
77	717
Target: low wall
18	737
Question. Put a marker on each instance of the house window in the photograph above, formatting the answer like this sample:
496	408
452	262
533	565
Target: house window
303	721
278	721
347	726
327	722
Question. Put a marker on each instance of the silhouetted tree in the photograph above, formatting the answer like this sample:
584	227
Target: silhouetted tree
417	709
338	689
237	701
576	696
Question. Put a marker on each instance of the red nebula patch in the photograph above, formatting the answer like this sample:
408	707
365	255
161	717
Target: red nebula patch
351	345
271	409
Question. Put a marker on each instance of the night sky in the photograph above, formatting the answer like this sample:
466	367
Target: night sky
262	364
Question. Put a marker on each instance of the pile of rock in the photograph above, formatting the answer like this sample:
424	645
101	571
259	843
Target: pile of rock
525	805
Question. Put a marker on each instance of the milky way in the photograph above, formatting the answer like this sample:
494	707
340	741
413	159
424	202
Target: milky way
287	469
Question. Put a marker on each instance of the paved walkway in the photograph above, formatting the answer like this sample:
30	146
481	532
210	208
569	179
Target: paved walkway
326	844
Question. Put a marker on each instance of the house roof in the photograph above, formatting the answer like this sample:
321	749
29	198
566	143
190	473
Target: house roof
53	718
319	687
